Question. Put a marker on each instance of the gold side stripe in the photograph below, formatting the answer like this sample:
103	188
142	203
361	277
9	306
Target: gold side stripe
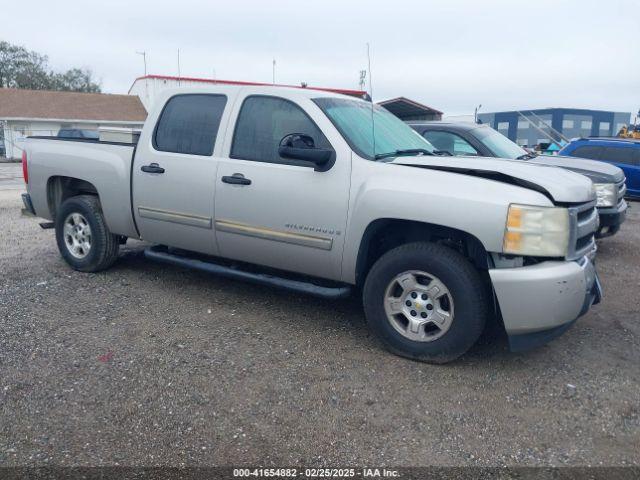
323	243
175	217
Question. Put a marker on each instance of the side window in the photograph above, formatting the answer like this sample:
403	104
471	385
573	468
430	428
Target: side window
263	122
450	142
588	151
189	124
619	155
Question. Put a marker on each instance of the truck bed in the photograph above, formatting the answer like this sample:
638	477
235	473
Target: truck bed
104	165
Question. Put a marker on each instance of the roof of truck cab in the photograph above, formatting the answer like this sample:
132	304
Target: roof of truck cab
460	126
258	89
217	82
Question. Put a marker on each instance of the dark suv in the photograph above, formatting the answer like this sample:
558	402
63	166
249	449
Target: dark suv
477	140
622	152
78	133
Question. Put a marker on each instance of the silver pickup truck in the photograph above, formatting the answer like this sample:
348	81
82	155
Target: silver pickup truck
327	194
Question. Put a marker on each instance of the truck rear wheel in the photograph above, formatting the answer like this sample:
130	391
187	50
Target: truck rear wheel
83	238
426	302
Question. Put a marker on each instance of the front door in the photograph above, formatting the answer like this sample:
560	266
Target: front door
174	174
278	212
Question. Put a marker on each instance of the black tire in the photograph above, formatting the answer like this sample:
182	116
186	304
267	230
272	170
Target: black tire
461	279
104	244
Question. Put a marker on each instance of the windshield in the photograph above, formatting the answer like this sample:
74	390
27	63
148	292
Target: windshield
500	145
352	118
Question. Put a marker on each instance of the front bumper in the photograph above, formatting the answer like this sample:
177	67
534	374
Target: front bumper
611	218
542	301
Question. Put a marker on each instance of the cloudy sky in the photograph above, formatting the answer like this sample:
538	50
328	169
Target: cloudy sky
452	55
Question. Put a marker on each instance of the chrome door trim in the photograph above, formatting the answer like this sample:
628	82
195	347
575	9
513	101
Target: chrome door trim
322	243
174	217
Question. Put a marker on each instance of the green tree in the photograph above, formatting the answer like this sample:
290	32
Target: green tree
75	80
22	68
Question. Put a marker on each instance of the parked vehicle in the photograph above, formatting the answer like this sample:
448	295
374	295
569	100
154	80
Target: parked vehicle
295	181
470	139
78	133
621	152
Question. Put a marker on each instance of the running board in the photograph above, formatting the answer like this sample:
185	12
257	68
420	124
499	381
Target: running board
159	255
46	225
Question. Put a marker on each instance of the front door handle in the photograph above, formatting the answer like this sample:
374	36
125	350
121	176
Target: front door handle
152	168
236	179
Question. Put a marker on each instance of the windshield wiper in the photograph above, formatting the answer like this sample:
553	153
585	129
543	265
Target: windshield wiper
526	156
408	151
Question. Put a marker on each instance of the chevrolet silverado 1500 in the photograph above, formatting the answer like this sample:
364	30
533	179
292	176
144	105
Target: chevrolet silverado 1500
326	193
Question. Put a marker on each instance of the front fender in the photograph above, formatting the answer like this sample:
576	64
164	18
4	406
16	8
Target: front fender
476	206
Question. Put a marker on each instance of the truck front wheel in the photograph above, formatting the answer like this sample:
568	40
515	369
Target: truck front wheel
426	302
83	238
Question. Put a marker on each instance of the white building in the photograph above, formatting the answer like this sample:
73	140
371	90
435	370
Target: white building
148	87
40	112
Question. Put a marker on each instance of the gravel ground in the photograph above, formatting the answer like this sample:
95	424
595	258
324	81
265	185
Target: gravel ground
153	365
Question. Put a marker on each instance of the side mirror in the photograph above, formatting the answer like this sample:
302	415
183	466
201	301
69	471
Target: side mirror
298	146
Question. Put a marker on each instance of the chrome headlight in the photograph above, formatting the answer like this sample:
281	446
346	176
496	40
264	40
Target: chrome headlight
536	231
606	193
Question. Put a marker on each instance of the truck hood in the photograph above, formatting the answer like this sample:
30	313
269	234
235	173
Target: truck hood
598	172
558	184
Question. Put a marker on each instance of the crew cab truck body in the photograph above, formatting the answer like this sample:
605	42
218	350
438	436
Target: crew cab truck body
305	183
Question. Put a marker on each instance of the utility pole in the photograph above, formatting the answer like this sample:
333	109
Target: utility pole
144	59
146	80
178	67
274	71
475	113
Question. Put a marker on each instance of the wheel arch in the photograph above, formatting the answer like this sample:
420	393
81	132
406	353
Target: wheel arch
383	234
60	188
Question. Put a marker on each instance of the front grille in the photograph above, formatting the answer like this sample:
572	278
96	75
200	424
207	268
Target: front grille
583	223
622	190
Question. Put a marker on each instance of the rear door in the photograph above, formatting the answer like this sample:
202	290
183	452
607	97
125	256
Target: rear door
627	157
592	152
174	173
284	214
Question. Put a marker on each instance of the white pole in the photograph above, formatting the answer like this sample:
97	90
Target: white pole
274	71
178	67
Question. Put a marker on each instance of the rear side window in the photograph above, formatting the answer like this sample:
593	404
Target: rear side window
588	151
625	155
189	124
263	122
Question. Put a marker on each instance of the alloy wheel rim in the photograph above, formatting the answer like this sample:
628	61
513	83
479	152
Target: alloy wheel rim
77	235
419	306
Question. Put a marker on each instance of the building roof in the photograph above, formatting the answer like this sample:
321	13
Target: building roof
577	111
343	91
402	107
45	104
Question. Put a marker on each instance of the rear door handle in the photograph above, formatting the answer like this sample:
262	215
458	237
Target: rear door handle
152	168
236	179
